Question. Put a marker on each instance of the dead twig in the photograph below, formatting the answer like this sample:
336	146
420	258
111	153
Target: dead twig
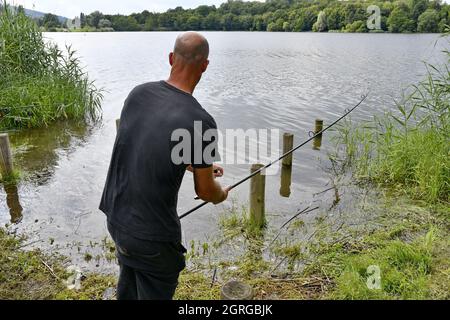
304	211
214	277
29	244
49	268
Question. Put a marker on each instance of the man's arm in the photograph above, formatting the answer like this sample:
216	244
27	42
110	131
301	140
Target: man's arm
206	186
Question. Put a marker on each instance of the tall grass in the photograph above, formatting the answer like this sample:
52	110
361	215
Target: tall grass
40	83
407	149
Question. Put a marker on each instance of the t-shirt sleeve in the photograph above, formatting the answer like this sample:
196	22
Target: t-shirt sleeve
206	138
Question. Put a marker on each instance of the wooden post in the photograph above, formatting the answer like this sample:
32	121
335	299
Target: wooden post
288	144
257	198
319	127
117	124
317	143
236	290
6	162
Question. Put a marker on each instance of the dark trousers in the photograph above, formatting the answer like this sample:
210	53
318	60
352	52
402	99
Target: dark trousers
149	270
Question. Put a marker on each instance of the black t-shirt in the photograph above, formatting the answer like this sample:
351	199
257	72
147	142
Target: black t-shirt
148	165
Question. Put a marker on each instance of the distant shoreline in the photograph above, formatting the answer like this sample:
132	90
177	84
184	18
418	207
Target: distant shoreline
239	31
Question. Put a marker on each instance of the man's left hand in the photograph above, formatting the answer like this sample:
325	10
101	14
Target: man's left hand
218	171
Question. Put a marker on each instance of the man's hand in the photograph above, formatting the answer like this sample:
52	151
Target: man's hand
218	171
207	187
225	192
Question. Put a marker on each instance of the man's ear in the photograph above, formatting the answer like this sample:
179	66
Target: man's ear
205	65
171	59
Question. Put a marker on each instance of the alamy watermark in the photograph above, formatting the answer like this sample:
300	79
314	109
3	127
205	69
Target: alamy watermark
73	282
374	21
234	146
374	278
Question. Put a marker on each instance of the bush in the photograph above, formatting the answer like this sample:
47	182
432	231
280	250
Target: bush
39	82
428	21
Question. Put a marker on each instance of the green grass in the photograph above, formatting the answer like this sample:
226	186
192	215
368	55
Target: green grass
12	178
30	275
405	269
410	247
40	83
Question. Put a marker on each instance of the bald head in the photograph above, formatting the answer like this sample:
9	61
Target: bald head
192	47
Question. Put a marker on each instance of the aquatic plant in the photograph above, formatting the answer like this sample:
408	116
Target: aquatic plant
40	83
406	149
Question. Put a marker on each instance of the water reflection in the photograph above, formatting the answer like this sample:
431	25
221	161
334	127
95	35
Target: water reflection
13	202
36	151
286	181
317	143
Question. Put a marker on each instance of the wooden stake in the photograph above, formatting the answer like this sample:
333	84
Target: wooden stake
257	198
317	143
6	162
319	127
288	144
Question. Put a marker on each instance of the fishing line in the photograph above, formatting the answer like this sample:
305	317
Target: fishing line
363	98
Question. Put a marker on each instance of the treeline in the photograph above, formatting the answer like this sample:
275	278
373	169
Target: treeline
283	15
277	15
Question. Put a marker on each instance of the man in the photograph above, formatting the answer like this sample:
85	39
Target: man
141	191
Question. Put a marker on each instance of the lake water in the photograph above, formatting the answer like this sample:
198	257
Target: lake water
255	80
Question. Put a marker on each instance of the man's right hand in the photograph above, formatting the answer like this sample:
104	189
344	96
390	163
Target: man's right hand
225	192
207	187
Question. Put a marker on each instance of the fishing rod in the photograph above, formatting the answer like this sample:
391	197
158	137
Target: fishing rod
363	98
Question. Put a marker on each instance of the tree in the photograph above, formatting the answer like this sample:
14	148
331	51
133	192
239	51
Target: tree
94	18
211	22
204	10
334	18
82	20
418	7
399	21
229	22
151	24
306	19
194	22
246	22
125	23
276	26
104	23
50	21
428	21
321	23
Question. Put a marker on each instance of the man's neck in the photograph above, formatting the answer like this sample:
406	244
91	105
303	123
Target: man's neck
186	85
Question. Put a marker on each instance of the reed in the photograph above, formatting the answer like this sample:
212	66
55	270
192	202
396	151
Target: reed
39	82
407	149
